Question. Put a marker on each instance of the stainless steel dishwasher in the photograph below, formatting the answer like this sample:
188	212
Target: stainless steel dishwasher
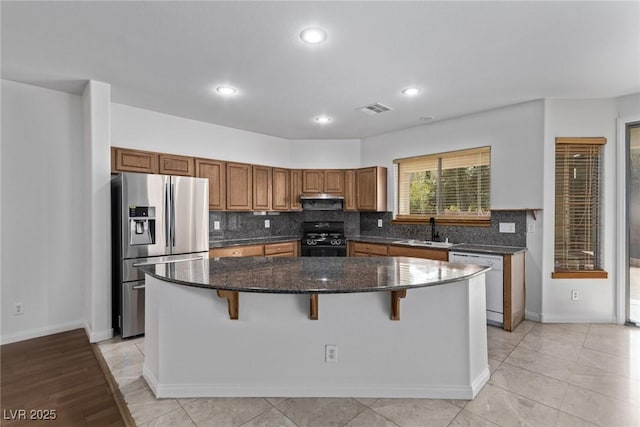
494	282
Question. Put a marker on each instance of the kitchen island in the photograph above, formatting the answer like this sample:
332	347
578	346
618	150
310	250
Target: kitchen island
315	327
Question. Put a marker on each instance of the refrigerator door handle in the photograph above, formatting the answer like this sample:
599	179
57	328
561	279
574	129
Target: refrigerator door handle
173	215
171	261
166	214
138	287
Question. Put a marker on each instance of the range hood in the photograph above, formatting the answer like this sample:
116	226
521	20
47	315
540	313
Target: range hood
322	202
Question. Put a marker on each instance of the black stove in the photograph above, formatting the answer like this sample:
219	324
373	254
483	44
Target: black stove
323	239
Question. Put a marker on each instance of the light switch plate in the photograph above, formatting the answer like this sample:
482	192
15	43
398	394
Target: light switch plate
507	227
267	223
380	223
216	225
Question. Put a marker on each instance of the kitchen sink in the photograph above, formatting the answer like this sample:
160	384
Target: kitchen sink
425	243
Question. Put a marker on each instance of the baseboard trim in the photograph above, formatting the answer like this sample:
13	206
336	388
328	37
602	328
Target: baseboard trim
41	332
98	336
561	318
530	315
479	382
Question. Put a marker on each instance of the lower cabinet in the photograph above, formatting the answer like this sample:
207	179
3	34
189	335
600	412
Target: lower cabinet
366	249
280	249
286	249
237	251
428	253
513	290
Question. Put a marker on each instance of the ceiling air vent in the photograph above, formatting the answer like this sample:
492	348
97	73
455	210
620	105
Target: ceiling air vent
376	108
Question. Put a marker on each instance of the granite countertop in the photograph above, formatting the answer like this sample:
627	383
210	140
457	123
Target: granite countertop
461	247
322	275
487	249
251	241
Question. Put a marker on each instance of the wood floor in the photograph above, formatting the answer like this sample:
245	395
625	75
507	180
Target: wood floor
57	376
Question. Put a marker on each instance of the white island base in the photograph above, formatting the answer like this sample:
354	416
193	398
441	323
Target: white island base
438	348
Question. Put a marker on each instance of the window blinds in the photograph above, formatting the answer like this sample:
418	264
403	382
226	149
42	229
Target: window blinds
578	206
453	184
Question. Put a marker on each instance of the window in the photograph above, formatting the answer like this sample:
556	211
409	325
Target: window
451	187
578	208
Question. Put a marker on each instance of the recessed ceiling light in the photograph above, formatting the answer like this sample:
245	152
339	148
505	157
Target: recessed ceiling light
322	119
313	35
226	90
411	91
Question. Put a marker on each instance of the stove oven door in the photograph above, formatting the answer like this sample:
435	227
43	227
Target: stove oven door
323	251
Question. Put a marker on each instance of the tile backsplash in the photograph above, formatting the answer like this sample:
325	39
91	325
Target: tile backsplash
455	234
246	225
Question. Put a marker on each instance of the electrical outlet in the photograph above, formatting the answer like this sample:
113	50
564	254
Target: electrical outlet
380	223
574	295
18	309
267	223
531	228
330	353
507	227
216	225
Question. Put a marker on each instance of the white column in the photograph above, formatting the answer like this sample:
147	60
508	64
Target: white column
97	209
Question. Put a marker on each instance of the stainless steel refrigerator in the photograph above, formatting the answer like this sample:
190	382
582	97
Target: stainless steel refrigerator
155	219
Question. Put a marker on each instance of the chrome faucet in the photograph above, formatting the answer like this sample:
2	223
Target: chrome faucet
434	235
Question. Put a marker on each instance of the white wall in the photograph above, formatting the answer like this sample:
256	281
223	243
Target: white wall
325	153
42	215
148	130
628	105
515	134
588	118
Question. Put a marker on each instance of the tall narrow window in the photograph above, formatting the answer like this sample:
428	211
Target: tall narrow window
578	208
451	187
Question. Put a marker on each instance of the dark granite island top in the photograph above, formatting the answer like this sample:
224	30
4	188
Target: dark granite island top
313	275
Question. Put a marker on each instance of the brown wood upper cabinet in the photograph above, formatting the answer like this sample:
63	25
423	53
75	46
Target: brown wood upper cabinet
371	189
171	164
329	181
296	189
239	187
350	193
280	190
125	160
262	176
215	172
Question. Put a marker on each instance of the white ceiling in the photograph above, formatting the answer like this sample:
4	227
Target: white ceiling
466	56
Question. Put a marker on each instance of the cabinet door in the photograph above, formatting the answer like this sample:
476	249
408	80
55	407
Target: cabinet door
237	251
171	164
371	189
125	160
281	190
262	188
239	187
312	181
427	253
296	189
350	190
334	181
286	249
215	172
367	249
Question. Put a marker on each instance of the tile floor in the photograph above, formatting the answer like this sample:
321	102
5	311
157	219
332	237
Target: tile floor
542	375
